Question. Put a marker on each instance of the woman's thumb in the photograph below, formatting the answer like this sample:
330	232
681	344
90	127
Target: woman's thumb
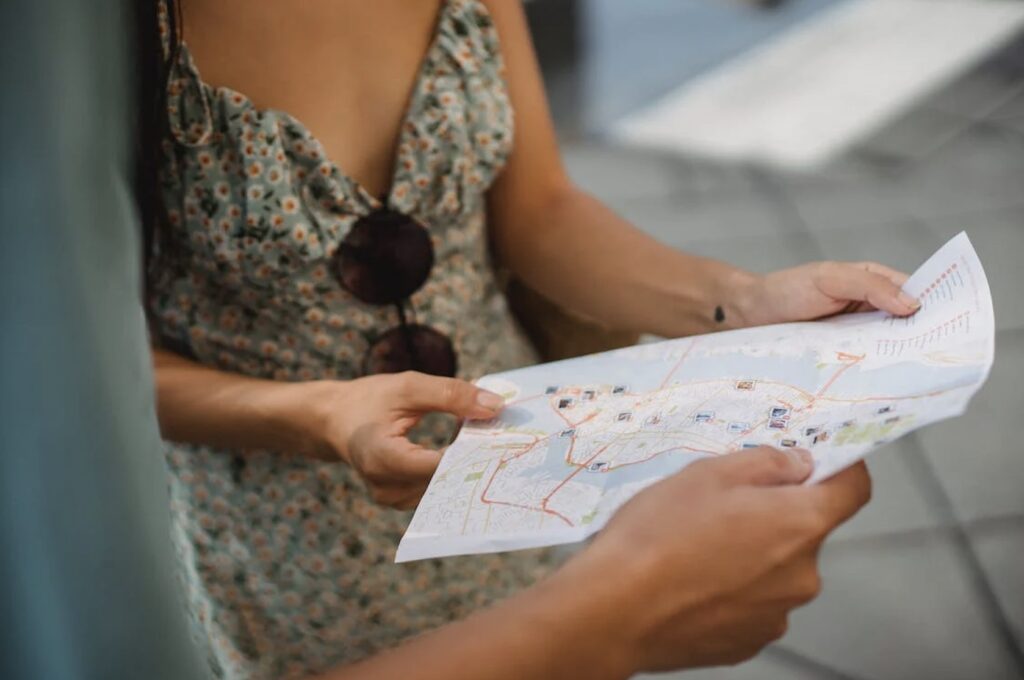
765	466
424	392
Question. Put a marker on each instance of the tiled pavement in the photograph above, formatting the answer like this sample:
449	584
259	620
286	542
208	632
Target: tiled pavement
928	581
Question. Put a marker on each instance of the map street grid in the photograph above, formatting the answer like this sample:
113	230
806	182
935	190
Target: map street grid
579	437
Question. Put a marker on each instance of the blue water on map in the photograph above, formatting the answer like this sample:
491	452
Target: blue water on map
553	467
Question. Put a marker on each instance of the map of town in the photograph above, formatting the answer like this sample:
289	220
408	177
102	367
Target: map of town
580	437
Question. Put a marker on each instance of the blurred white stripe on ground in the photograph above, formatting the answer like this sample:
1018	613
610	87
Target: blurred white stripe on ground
807	95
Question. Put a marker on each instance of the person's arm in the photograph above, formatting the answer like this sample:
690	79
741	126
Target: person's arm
571	248
362	422
700	569
199	404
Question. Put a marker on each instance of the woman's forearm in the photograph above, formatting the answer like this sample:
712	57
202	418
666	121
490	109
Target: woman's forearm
577	252
202	405
573	625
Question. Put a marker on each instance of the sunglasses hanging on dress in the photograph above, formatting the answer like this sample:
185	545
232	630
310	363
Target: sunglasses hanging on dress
385	258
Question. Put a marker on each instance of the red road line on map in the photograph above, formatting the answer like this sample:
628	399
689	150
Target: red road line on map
678	364
488	501
854	360
840	355
579	466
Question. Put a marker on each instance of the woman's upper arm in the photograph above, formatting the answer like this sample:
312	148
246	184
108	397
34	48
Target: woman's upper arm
534	173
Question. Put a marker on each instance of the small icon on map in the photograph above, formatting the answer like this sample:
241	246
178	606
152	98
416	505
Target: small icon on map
653	420
703	416
884	409
619	389
749	445
565	402
787	443
625	416
777	424
597	467
588	395
779	412
747	385
567	433
551	389
811	431
737	427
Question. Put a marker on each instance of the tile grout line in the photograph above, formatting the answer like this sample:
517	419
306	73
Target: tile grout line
937	496
794	658
903	536
767	184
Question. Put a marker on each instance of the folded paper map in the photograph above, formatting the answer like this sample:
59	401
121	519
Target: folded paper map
580	437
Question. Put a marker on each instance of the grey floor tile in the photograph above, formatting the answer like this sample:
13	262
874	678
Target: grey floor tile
977	458
611	173
973	94
898	503
1012	123
898	610
758	253
709	178
904	246
1012	107
980	170
1010	113
763	667
852	167
915	134
1000	547
998	236
870	201
687	218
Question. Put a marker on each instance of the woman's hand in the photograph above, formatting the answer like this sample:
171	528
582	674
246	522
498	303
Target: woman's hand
821	289
365	421
715	558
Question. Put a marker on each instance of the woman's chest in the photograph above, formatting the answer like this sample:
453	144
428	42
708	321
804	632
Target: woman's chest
346	69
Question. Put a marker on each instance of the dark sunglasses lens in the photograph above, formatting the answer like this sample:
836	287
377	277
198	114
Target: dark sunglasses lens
412	348
385	258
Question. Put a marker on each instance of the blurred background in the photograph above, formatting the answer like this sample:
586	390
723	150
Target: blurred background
772	133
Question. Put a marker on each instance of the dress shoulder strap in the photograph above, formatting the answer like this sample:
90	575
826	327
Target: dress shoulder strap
168	26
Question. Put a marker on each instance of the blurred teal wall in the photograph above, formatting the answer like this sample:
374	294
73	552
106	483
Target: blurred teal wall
86	571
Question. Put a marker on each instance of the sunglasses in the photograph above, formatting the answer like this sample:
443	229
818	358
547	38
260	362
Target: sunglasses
385	258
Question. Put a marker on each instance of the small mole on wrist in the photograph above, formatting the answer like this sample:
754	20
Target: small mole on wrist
719	314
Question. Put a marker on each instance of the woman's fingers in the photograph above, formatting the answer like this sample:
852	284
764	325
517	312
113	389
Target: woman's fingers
862	284
764	466
896	276
393	459
399	497
423	393
841	496
397	471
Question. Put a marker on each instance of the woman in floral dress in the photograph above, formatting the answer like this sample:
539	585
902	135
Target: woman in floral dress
332	195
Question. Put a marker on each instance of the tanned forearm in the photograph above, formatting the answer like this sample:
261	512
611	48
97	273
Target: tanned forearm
569	626
199	404
577	252
572	249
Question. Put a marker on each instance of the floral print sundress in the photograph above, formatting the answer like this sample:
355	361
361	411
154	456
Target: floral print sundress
288	564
